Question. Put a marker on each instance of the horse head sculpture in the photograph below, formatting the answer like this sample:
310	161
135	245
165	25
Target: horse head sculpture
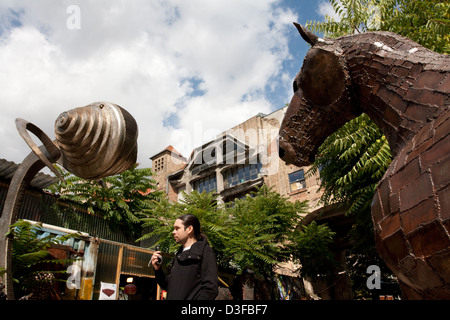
404	88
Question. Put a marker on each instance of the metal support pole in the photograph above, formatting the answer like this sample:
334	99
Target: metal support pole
19	183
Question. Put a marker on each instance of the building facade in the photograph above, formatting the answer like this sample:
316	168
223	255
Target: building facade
234	163
245	157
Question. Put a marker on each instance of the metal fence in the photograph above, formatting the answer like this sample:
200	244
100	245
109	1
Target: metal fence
118	259
43	207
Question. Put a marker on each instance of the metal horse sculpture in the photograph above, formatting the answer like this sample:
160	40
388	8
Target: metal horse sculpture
92	142
404	88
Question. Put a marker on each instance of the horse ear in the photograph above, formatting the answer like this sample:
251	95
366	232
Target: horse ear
323	78
307	35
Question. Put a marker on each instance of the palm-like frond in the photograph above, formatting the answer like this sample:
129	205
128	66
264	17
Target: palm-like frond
426	22
120	199
311	248
247	235
30	255
352	160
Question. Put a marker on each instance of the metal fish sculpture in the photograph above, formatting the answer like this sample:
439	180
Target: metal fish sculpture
97	140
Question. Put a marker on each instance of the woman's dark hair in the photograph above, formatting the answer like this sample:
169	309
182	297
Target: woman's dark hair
191	220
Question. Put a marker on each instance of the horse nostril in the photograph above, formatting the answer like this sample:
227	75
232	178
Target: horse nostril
281	152
295	87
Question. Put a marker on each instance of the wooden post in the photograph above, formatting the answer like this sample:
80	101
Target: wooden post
158	292
118	270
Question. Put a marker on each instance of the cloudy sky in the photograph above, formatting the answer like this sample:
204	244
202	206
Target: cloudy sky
186	70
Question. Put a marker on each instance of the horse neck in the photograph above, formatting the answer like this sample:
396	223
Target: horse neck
399	84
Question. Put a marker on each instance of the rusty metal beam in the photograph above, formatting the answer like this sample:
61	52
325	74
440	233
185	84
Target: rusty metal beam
19	183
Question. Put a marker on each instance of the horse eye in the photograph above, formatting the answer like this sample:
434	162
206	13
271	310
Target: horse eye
295	86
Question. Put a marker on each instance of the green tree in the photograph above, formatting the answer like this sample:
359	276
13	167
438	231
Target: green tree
355	16
312	249
352	161
161	215
250	233
214	219
31	261
262	225
119	199
425	21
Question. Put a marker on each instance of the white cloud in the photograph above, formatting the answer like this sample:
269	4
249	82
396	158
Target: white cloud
178	67
326	9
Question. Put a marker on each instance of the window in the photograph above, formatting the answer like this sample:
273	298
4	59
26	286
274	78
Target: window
297	180
230	202
158	165
207	184
241	174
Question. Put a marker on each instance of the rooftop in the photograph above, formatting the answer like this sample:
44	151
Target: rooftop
170	149
41	180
